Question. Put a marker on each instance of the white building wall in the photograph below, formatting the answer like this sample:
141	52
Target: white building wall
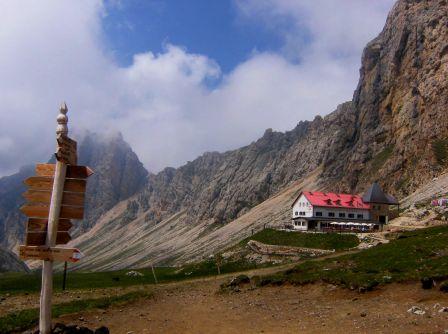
302	208
299	224
325	211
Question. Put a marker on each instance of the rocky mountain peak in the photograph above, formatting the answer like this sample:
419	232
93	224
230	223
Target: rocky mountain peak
118	175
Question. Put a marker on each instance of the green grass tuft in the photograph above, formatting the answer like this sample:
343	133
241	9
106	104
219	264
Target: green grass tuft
309	240
380	159
440	149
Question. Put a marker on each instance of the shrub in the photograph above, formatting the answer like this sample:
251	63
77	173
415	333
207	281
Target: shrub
440	149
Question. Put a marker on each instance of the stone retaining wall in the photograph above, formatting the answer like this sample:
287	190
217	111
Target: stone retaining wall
265	249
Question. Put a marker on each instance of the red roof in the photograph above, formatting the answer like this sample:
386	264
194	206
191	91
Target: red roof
332	200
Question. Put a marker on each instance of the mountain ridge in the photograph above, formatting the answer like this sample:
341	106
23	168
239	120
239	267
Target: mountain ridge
386	133
389	132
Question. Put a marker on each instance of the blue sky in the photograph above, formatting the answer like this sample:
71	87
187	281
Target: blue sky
205	27
177	78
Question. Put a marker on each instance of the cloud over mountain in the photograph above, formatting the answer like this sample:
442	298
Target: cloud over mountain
172	106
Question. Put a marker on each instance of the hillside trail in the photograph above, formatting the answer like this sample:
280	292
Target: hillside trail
197	306
31	300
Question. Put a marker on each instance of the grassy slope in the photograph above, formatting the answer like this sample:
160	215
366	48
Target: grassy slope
309	240
412	256
22	283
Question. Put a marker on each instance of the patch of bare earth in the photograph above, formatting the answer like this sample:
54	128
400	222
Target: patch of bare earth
197	307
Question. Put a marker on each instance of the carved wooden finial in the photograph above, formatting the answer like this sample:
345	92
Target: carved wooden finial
62	120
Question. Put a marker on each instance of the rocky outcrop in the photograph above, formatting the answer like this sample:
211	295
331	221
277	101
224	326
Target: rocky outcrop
219	187
261	248
119	174
401	132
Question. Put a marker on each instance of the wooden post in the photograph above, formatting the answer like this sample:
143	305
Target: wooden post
52	228
218	259
154	274
64	278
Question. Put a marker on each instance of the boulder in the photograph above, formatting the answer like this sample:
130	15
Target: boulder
416	310
444	286
427	283
102	330
134	273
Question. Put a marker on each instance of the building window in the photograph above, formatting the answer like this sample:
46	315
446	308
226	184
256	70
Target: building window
360	216
351	215
341	214
302	213
318	214
297	213
331	214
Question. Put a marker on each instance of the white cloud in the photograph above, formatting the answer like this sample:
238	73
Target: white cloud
53	50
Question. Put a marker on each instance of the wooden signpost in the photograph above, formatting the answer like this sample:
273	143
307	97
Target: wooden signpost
55	195
36	233
66	151
50	253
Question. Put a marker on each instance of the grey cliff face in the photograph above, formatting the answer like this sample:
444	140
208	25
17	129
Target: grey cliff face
118	174
401	101
220	187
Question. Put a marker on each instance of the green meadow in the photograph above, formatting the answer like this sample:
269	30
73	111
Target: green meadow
410	257
309	240
14	283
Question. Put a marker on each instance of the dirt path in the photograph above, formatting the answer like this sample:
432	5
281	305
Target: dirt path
23	301
196	307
